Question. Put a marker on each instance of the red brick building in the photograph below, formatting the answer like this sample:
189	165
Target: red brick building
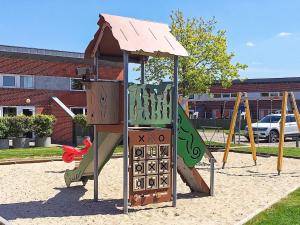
36	81
264	97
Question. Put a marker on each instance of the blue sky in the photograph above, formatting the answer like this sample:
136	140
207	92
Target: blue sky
264	34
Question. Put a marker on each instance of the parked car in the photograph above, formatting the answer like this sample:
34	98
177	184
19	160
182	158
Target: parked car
268	127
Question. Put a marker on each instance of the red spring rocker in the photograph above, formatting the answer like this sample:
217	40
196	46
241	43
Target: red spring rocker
71	152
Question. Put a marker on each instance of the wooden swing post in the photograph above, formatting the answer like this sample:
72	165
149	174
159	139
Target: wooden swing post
250	130
281	133
232	126
295	110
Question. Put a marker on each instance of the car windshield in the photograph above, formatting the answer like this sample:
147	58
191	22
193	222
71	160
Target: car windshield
270	119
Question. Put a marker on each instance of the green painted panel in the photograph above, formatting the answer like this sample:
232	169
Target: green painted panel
150	104
190	145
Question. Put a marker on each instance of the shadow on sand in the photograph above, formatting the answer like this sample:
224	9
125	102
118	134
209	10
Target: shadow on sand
67	203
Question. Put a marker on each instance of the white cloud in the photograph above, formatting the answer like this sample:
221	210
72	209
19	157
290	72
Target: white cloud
284	34
250	44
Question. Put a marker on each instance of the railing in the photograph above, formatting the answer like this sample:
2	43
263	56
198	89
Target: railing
150	104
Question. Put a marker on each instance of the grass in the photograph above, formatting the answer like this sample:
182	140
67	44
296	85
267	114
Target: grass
20	153
285	212
221	144
119	149
30	152
287	151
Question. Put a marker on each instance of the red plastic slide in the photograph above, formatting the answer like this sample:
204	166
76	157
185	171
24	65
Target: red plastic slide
70	152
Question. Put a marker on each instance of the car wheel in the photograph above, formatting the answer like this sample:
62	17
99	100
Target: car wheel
248	139
273	136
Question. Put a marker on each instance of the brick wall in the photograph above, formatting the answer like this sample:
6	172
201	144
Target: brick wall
42	99
63	129
13	65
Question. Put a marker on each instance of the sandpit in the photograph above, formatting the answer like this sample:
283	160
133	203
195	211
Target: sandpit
36	194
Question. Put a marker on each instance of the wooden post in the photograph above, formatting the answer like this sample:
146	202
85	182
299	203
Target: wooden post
281	133
231	129
295	110
250	130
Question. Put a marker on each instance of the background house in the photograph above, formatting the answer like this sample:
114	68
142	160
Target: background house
44	81
264	96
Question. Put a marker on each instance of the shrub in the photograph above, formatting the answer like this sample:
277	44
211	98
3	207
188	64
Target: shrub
19	125
81	121
42	125
4	128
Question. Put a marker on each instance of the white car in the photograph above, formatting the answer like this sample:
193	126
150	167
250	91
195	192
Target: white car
268	127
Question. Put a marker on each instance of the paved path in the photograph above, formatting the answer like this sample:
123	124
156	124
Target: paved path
222	137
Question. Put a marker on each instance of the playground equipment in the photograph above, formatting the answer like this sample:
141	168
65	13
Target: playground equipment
70	153
244	97
284	109
282	125
144	116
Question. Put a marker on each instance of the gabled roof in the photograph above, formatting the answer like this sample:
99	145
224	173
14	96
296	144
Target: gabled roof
138	37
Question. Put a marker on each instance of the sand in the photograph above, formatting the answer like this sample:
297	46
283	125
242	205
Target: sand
36	194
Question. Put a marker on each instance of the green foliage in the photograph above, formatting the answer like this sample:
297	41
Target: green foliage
208	61
19	125
81	121
42	125
4	127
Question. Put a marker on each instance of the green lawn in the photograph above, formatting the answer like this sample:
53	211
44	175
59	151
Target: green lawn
212	131
221	144
30	152
285	212
37	152
288	151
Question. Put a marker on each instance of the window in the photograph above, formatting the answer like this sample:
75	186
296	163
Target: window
290	119
274	94
264	94
226	95
9	81
26	82
9	111
76	85
191	97
216	95
233	95
270	119
79	110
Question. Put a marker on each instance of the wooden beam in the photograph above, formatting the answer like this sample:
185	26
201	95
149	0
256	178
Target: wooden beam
231	129
295	110
281	133
250	130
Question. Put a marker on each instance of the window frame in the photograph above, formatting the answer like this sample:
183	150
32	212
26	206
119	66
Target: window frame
79	107
219	94
8	75
83	87
26	76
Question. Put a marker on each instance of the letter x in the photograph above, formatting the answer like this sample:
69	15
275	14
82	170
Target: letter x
141	138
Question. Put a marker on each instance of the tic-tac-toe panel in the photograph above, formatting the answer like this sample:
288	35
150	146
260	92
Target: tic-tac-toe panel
139	183
150	157
139	168
152	167
139	152
164	151
152	151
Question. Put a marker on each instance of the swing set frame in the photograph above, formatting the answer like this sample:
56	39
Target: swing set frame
243	97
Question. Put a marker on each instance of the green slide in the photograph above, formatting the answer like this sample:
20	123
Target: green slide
85	171
191	147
